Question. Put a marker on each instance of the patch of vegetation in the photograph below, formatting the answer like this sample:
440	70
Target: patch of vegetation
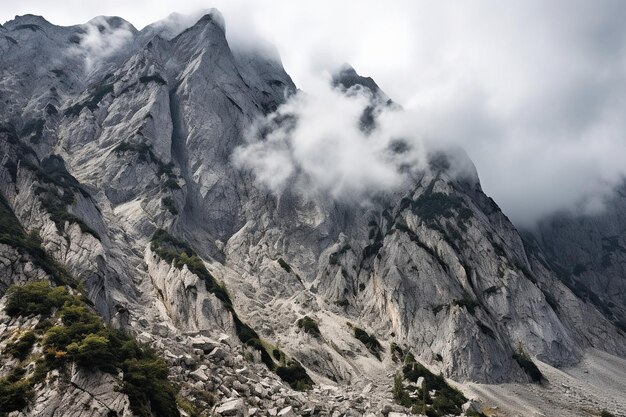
34	298
295	375
284	265
91	103
370	342
146	154
434	205
33	130
491	290
397	354
605	413
15	393
58	192
486	329
526	363
468	303
152	78
175	251
12	234
445	401
188	407
309	326
170	249
171	184
342	303
81	337
169	204
22	347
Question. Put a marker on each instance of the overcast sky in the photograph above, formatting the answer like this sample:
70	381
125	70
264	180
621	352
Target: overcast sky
535	91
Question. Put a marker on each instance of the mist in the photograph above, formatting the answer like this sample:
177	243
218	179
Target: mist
317	141
101	39
535	92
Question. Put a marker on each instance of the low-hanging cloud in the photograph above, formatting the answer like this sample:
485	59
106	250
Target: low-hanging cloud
101	38
535	91
317	141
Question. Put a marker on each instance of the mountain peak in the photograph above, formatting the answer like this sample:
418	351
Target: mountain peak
113	23
347	77
26	19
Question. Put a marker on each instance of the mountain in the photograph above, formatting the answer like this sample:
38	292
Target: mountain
588	253
118	191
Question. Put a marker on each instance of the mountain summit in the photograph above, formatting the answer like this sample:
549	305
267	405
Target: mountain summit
125	225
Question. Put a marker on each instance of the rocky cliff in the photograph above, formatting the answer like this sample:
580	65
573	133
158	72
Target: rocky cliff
118	182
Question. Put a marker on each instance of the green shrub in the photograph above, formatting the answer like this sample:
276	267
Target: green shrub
12	234
15	393
170	249
295	375
34	298
399	392
94	351
152	78
169	204
466	302
606	413
83	338
284	265
97	94
369	341
524	361
446	400
148	389
22	347
309	326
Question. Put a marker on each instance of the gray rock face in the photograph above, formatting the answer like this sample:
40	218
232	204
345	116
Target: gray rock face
99	151
589	254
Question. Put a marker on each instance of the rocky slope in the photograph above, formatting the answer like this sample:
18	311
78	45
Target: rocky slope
589	254
116	150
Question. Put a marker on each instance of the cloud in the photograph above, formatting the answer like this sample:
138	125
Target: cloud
535	91
102	38
317	141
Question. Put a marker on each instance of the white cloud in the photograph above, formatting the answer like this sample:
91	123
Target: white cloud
535	91
101	39
315	141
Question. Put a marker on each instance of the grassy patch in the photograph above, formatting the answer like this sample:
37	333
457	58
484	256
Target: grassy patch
22	347
91	103
81	337
309	326
175	251
156	78
170	249
370	342
295	375
57	192
446	400
146	154
169	204
466	302
12	234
